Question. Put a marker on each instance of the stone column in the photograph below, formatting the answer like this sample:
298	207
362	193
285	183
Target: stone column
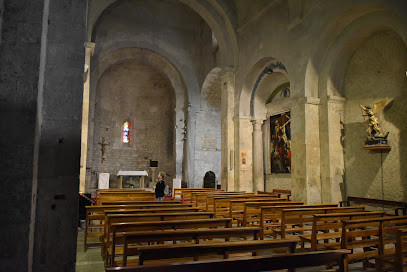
306	173
179	141
258	169
332	161
243	143
89	50
189	149
228	152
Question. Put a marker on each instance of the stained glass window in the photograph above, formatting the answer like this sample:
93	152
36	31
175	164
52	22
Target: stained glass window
126	132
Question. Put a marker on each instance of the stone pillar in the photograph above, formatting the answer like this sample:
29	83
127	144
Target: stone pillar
258	163
332	161
228	152
179	141
89	49
243	143
42	56
189	149
306	174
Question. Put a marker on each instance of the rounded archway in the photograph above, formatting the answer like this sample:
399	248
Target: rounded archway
159	76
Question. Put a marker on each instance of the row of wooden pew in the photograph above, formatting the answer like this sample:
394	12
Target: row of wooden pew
177	236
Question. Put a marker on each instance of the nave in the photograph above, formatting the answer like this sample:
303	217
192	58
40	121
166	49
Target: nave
214	229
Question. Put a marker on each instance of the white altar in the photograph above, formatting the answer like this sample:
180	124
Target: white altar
140	174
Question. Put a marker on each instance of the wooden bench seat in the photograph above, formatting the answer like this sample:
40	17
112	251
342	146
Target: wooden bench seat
400	208
327	228
222	205
296	221
237	207
137	202
115	236
196	236
270	216
126	196
196	251
252	211
248	264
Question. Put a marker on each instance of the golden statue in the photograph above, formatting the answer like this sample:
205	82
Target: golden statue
373	125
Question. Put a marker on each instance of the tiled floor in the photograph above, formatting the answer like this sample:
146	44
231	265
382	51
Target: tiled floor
91	260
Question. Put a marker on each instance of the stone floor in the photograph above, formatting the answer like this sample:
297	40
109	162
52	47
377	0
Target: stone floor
91	260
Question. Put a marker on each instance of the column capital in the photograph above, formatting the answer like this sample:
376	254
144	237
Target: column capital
90	48
257	123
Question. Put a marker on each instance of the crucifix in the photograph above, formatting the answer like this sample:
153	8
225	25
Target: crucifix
102	148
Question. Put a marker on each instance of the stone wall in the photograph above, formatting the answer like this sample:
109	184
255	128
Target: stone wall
208	131
377	70
135	92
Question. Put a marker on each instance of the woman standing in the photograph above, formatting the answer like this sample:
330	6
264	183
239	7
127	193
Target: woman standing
159	187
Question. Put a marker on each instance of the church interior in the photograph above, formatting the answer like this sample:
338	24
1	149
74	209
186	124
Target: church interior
234	102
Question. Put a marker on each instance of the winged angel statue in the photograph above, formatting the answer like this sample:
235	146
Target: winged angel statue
373	125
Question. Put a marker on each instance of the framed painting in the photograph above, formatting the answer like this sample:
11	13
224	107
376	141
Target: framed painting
280	146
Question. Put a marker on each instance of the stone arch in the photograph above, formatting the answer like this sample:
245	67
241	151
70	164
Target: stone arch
156	60
340	39
324	80
213	13
266	67
213	77
159	63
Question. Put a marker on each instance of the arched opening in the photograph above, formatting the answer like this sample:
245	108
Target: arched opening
208	123
375	71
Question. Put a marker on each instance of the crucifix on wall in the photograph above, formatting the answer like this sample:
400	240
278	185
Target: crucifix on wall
102	148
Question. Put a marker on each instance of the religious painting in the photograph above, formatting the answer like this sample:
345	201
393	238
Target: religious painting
243	160
280	146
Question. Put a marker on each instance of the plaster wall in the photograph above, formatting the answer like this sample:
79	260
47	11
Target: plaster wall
134	91
375	71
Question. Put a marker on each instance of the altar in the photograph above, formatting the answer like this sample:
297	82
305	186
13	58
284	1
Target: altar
140	174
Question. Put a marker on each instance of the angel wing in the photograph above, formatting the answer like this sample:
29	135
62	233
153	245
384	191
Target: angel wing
379	106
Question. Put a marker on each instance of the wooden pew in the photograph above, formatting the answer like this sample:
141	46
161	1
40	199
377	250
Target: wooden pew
398	206
270	216
126	196
328	228
199	199
237	207
300	220
371	236
114	190
151	210
281	193
145	217
401	250
252	211
185	193
95	216
248	264
222	203
186	252
196	236
135	202
210	199
118	229
389	228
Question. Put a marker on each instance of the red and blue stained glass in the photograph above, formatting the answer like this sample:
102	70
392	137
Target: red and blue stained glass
126	132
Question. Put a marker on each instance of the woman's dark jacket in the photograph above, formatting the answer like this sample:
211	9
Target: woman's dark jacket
159	188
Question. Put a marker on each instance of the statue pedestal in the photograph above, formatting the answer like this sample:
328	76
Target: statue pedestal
153	174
